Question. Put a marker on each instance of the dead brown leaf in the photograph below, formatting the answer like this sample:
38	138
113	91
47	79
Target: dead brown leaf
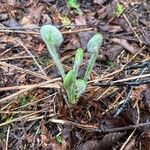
130	2
137	92
104	144
130	145
33	16
21	78
147	98
11	2
40	48
113	52
125	45
80	20
146	140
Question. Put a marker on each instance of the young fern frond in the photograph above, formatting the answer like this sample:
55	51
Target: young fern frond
69	85
78	60
74	87
95	43
53	39
90	66
69	79
93	47
81	87
52	50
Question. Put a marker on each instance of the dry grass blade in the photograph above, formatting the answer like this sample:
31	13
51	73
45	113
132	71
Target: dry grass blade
7	139
24	70
49	85
33	103
118	71
28	117
22	117
10	97
17	112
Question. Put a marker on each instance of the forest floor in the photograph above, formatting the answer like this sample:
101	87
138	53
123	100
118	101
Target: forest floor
113	113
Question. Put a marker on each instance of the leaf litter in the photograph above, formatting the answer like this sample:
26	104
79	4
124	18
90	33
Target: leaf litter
35	98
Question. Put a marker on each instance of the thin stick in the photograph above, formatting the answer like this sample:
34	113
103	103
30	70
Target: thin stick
26	49
76	31
93	129
132	28
107	84
7	138
132	78
35	27
79	125
37	33
15	57
16	31
19	28
6	51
